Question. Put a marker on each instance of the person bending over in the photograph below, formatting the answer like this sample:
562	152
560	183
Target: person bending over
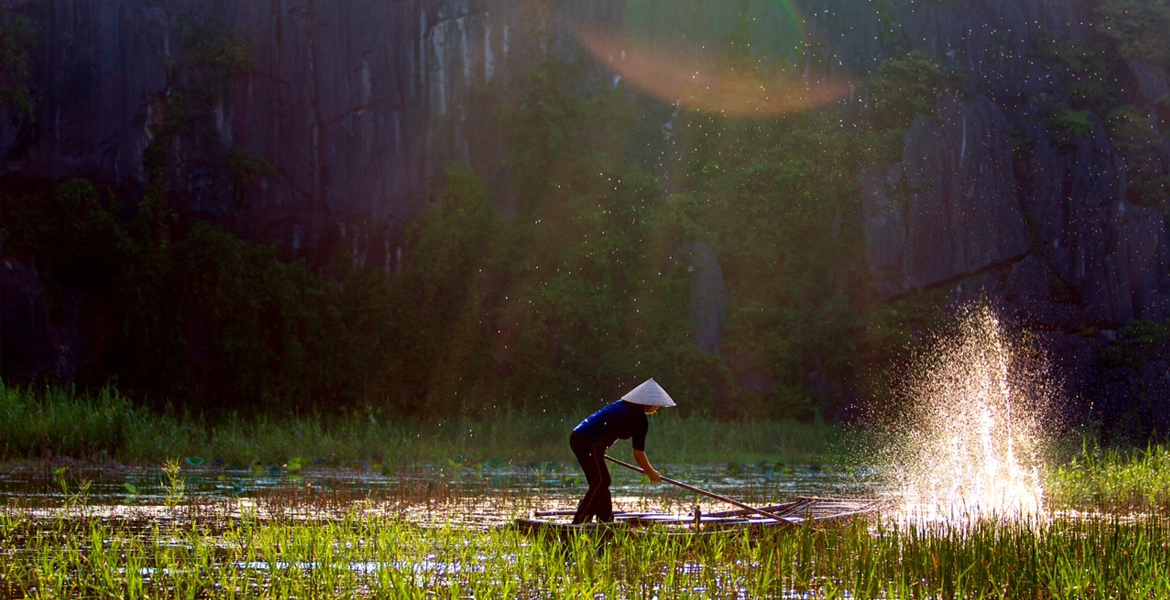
624	419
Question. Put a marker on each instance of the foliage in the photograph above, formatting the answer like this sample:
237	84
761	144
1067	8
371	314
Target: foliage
104	424
16	35
1089	68
894	334
1065	125
779	204
1076	122
72	229
1138	139
359	553
904	87
1138	28
584	291
1113	479
199	315
247	167
1140	341
449	248
593	266
215	58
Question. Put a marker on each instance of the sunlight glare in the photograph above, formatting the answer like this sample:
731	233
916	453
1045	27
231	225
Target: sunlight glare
680	55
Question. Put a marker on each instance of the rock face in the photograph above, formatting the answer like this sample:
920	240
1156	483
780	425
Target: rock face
359	105
950	208
985	200
708	295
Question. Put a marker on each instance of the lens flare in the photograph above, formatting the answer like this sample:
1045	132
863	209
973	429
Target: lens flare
716	57
970	444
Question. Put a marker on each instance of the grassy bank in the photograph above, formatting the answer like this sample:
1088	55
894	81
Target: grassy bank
1113	479
52	422
373	557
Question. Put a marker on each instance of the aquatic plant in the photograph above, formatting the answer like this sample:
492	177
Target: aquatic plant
1113	479
358	556
174	484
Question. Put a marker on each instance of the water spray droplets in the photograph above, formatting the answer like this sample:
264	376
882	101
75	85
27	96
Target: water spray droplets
971	439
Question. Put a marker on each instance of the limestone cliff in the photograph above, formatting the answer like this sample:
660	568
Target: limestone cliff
359	106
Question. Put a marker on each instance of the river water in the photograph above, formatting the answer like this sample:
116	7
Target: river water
477	495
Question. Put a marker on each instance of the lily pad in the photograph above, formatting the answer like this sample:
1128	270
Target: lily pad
194	461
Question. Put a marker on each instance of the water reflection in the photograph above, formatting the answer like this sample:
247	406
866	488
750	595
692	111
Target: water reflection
477	496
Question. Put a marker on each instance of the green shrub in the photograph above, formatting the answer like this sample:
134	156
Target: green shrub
215	57
1138	139
1089	68
1139	342
1138	28
904	87
1075	122
16	35
247	167
1065	126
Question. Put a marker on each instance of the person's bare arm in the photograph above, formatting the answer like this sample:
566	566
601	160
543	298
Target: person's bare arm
645	464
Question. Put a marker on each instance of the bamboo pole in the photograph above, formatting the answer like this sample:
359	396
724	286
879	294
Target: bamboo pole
700	491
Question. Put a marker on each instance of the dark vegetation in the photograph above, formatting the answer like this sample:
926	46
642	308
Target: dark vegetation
16	35
583	292
1093	95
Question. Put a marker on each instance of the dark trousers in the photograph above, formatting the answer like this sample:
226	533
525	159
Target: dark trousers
597	500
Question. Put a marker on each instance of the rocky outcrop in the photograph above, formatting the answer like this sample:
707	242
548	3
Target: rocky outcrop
984	185
950	208
43	338
987	203
359	105
708	309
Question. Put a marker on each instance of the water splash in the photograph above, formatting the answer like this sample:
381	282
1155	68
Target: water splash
970	443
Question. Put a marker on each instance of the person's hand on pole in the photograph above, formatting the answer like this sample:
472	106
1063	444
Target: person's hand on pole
644	462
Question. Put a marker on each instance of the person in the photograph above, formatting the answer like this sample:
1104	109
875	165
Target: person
624	419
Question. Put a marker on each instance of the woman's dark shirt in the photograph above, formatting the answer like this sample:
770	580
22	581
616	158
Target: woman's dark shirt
620	420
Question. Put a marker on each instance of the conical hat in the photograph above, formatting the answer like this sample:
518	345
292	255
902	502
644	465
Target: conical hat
650	394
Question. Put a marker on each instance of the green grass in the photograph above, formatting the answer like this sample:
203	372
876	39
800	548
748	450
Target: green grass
1113	479
56	422
358	556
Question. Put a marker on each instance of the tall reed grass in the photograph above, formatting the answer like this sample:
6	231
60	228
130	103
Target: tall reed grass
47	422
1113	479
362	557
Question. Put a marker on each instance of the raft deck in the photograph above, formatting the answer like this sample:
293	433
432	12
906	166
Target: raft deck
821	511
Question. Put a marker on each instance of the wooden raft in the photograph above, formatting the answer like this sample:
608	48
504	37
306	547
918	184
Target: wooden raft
820	511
